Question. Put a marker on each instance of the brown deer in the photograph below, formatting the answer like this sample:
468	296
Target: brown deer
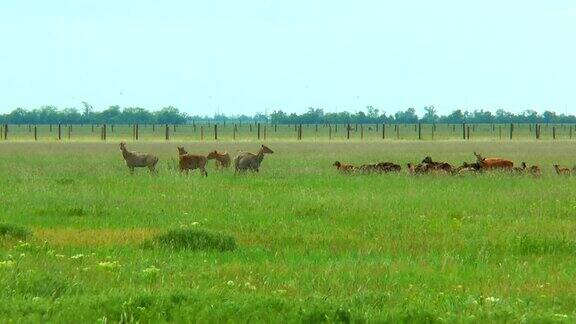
189	162
467	168
561	170
138	160
431	166
493	163
344	168
415	169
535	171
222	159
522	169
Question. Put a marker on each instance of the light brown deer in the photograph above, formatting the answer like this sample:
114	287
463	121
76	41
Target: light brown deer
138	160
250	161
562	170
493	163
222	159
189	162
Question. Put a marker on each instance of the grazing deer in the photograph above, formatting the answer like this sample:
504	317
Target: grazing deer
561	170
493	163
344	168
138	160
189	162
249	161
388	167
222	159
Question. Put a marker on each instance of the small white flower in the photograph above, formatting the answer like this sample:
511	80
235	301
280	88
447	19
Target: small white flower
230	283
492	299
77	256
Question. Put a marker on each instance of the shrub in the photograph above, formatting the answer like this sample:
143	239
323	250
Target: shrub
194	239
14	231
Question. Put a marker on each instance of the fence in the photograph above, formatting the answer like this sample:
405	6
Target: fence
299	132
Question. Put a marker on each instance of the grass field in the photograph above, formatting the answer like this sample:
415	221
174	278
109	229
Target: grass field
311	245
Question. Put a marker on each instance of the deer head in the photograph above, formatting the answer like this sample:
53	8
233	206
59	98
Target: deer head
479	158
266	150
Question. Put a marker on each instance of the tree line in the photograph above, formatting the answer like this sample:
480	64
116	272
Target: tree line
371	115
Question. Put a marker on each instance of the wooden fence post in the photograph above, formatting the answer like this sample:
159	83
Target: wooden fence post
348	132
463	130
329	132
383	131
397	132
570	131
258	126
500	131
553	132
201	133
59	131
234	132
275	127
467	132
419	131
35	133
215	131
69	131
5	131
167	132
511	129
362	131
137	131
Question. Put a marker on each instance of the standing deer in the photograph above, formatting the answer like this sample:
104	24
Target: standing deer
561	170
250	161
138	160
493	163
222	159
189	162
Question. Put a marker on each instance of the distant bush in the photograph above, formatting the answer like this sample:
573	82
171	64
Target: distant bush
14	231
193	239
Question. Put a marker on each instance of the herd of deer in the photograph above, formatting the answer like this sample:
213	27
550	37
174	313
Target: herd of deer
244	161
430	166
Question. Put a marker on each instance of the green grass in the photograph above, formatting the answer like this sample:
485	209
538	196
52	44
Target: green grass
311	245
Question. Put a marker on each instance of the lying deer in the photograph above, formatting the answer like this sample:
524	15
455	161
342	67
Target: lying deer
344	168
431	166
138	160
222	159
493	163
249	161
189	162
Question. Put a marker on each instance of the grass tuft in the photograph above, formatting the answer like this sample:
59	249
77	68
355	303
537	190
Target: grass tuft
193	239
14	231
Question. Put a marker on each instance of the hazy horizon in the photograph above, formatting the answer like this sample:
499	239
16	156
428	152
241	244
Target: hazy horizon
239	58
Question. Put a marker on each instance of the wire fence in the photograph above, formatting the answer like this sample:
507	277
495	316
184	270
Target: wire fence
270	132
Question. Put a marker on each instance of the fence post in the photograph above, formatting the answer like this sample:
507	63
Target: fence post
467	132
215	131
383	131
348	132
570	131
500	131
463	130
300	132
397	132
92	128
201	133
329	132
5	131
553	132
419	131
511	129
258	126
35	133
69	131
234	132
362	131
59	131
167	132
137	131
275	127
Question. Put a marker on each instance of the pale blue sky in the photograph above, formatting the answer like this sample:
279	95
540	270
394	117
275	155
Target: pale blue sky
252	56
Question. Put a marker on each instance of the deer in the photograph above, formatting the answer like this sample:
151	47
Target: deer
467	167
189	162
535	171
430	165
344	168
222	159
250	161
493	163
522	169
562	170
138	160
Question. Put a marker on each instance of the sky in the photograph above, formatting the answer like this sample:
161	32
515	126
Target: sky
243	57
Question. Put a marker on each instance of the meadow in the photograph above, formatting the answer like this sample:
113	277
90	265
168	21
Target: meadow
82	241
